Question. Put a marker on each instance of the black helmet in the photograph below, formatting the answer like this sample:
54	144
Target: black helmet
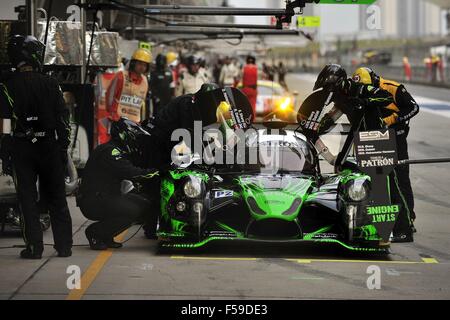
191	60
332	75
161	61
206	96
25	50
206	87
202	62
128	134
375	77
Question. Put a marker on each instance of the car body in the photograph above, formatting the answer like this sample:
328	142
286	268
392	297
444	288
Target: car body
377	57
289	202
274	99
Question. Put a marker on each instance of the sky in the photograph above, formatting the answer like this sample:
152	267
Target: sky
335	19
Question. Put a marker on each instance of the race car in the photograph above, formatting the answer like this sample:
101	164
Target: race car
274	100
282	196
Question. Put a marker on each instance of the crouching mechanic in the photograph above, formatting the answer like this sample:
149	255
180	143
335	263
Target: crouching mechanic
397	116
100	198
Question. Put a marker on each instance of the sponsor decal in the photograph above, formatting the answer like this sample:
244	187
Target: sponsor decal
382	214
133	101
313	121
373	136
223	194
380	162
274	202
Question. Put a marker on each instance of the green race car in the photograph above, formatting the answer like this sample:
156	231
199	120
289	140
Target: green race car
289	202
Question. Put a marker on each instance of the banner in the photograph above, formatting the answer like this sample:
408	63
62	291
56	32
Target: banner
308	22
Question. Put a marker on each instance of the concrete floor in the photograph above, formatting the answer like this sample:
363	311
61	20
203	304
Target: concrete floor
413	271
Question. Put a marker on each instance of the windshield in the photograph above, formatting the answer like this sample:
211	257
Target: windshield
283	153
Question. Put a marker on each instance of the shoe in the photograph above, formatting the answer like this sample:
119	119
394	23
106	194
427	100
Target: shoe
64	253
94	243
384	244
413	229
402	238
113	245
31	252
150	231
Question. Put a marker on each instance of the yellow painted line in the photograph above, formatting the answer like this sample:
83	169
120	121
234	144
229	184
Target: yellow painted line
429	260
213	258
300	260
92	272
306	261
424	260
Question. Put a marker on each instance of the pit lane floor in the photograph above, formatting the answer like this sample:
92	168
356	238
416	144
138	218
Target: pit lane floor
242	271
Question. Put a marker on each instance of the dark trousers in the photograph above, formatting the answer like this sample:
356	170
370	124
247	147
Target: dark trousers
115	214
41	160
401	190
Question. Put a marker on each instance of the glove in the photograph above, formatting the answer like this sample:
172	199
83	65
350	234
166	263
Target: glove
326	123
391	120
351	88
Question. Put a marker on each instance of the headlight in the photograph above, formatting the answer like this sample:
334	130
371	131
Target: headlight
181	206
197	207
357	190
193	188
285	104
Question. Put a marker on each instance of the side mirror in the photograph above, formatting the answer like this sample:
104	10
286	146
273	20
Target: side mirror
126	186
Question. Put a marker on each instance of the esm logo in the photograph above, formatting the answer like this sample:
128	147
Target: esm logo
373	135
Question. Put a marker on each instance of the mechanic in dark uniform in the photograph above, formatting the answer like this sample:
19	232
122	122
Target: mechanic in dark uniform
349	94
40	138
347	97
376	101
100	198
397	116
162	85
179	113
157	148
